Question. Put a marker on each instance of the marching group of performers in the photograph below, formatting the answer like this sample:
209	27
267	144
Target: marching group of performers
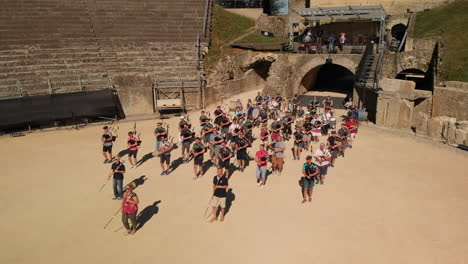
229	134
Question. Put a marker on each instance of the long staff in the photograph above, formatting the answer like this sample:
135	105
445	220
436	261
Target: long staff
112	218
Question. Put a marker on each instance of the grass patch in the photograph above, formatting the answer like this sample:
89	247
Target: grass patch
225	26
448	22
256	37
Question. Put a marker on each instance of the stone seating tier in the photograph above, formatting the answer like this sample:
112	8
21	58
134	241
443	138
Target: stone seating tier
67	42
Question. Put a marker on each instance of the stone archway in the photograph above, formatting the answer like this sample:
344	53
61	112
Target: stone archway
304	71
398	31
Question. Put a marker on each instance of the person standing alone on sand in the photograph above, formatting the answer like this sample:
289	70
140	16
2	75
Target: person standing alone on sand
107	144
220	185
310	171
129	209
117	171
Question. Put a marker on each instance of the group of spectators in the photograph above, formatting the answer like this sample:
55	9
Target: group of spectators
313	40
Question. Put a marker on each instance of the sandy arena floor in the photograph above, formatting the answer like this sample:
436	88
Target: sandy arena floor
392	199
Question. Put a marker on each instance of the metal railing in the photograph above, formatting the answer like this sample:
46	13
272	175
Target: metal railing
378	67
241	3
361	70
207	19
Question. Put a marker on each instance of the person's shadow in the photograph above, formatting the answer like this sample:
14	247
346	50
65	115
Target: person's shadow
207	165
176	163
123	152
139	181
144	159
230	197
146	214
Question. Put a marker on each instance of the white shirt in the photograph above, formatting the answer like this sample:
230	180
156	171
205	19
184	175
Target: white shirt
233	126
320	153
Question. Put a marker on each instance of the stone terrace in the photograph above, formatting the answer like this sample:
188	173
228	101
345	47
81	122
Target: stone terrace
86	43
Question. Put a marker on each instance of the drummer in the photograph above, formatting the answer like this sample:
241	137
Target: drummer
254	114
316	128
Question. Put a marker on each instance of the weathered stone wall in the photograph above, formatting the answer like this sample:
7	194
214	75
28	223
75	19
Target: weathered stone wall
399	103
278	25
135	93
452	100
288	74
232	75
401	107
391	6
418	58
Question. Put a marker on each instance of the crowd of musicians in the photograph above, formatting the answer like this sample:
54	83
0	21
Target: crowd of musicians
226	135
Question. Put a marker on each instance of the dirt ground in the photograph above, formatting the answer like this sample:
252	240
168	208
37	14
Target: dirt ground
392	199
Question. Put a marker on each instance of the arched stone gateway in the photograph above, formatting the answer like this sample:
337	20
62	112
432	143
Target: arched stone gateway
305	72
287	72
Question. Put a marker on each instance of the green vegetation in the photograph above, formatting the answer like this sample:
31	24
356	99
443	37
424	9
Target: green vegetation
256	37
448	22
225	27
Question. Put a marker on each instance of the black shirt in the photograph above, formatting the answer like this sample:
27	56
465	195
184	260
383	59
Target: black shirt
119	167
223	181
298	135
218	119
242	142
307	126
343	132
258	98
159	130
225	120
225	153
331	141
186	133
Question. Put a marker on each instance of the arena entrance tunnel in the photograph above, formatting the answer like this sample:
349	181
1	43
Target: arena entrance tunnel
398	31
328	79
422	80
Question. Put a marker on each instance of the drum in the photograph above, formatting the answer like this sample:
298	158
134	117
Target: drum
232	106
255	113
333	122
361	115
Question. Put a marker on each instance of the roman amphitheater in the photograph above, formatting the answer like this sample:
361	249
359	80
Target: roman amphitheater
68	68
